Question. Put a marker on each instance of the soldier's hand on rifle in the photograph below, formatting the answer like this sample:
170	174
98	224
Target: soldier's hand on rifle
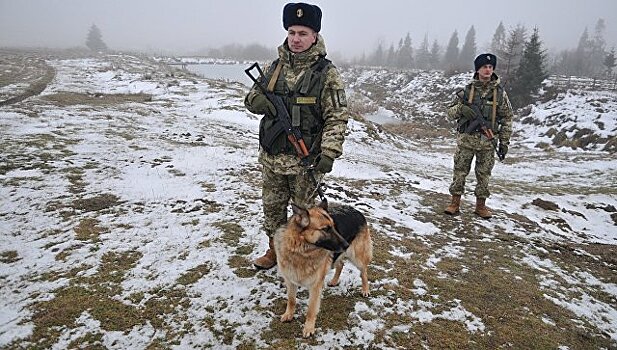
262	105
503	149
324	164
467	112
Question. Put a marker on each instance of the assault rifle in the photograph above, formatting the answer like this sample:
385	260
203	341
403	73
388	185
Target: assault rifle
480	124
282	115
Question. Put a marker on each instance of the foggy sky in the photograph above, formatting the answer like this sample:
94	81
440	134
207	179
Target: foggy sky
350	27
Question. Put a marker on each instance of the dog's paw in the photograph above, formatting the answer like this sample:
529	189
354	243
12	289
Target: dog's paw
286	317
366	293
333	283
308	331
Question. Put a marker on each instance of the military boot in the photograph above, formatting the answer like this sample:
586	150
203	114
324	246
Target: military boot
268	260
454	206
481	209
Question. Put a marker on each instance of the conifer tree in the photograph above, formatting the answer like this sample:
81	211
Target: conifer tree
94	40
498	43
379	56
580	64
511	56
598	49
391	56
435	55
423	55
468	51
405	53
609	62
531	72
451	56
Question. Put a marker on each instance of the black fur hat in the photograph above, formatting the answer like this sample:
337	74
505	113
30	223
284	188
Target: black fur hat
485	58
302	14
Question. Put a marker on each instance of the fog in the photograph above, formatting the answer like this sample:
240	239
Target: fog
350	27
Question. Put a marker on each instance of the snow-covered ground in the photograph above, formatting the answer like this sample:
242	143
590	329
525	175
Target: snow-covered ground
131	224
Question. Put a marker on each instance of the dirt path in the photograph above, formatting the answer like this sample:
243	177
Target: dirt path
22	76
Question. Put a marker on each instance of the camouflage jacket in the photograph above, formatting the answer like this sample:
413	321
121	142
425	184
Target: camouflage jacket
484	92
333	106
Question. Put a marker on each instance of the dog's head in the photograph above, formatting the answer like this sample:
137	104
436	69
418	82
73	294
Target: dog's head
317	227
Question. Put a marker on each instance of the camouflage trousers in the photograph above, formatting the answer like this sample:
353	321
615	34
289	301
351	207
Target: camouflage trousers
278	190
469	146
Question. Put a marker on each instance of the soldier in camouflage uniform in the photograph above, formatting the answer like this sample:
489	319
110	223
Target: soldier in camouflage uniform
485	92
314	95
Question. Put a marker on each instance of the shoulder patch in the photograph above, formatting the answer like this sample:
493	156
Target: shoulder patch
341	97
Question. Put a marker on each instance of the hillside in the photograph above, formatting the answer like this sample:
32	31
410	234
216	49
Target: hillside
131	211
579	118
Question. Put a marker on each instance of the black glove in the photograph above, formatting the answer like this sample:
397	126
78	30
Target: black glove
503	150
324	164
261	105
467	112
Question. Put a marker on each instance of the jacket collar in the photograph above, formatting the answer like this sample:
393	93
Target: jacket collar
302	59
494	81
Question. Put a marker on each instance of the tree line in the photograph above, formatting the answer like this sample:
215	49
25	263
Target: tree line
523	62
95	42
591	58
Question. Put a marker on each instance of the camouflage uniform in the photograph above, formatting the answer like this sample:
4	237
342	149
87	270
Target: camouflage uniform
474	144
284	178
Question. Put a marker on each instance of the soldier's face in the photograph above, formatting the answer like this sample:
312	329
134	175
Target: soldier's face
300	38
485	72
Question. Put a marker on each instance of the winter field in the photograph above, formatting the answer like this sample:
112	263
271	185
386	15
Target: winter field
130	211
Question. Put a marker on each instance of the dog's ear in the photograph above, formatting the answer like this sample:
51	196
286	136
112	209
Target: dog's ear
301	214
323	204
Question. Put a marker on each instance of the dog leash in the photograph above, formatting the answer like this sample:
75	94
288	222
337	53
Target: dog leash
317	184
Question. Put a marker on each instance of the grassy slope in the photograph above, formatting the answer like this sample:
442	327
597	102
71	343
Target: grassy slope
422	285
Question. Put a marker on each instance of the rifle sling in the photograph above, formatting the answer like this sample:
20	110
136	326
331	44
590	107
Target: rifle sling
275	76
470	98
494	113
494	109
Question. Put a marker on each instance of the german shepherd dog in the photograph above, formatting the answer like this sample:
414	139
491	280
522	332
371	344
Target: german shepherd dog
313	241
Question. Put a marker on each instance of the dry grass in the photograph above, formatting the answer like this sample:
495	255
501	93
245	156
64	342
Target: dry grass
9	256
96	203
72	98
89	230
418	130
486	278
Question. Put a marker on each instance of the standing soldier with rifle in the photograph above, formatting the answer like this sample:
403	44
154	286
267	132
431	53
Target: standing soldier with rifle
301	140
484	117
